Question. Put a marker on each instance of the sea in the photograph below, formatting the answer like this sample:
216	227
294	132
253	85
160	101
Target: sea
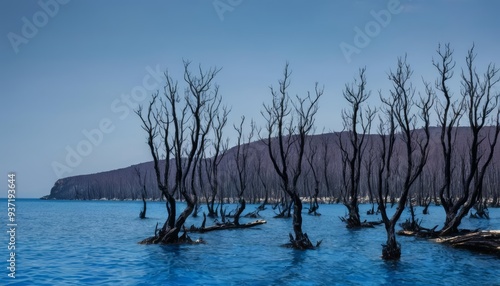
96	243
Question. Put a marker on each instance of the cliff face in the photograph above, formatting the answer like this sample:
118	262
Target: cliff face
123	184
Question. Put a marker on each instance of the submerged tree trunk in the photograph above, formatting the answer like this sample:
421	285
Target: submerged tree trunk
353	220
301	240
288	123
352	151
142	214
398	109
170	124
391	250
239	210
480	104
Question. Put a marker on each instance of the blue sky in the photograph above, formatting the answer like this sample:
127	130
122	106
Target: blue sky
68	68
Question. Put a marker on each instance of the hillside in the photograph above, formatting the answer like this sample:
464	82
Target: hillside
123	184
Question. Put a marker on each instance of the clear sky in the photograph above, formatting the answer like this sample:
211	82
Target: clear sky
73	71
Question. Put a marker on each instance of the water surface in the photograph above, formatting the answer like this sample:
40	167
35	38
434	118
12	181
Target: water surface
95	242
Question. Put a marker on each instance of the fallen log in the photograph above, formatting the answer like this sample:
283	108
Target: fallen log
480	241
227	225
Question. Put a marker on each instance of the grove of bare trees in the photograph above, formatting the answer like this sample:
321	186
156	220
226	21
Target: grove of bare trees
388	154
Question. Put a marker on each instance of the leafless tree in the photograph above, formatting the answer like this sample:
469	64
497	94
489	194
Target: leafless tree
176	126
368	163
313	167
241	160
290	120
481	104
326	162
263	180
212	164
399	108
449	112
357	122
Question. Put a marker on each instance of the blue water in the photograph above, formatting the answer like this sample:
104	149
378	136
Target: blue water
85	243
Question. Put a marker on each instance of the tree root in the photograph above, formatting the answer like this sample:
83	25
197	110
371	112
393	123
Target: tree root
414	228
170	237
392	252
302	243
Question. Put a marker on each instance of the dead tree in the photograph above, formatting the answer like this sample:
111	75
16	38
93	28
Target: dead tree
311	160
142	183
263	182
369	165
387	136
175	127
241	162
352	145
212	164
289	121
326	160
399	108
480	101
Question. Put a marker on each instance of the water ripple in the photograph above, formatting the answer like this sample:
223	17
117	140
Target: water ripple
86	243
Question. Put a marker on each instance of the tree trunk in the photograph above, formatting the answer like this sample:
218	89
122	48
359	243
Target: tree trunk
354	220
240	209
391	250
453	221
142	214
301	240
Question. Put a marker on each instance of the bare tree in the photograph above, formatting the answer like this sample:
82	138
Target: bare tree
369	169
241	161
326	160
353	150
399	110
263	180
290	121
176	127
212	164
311	160
481	107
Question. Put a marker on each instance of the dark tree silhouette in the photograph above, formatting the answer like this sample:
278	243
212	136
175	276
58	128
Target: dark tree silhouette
399	110
353	147
212	163
480	103
241	161
326	161
311	160
290	121
142	184
176	127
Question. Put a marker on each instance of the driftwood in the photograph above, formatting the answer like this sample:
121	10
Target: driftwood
223	226
480	241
